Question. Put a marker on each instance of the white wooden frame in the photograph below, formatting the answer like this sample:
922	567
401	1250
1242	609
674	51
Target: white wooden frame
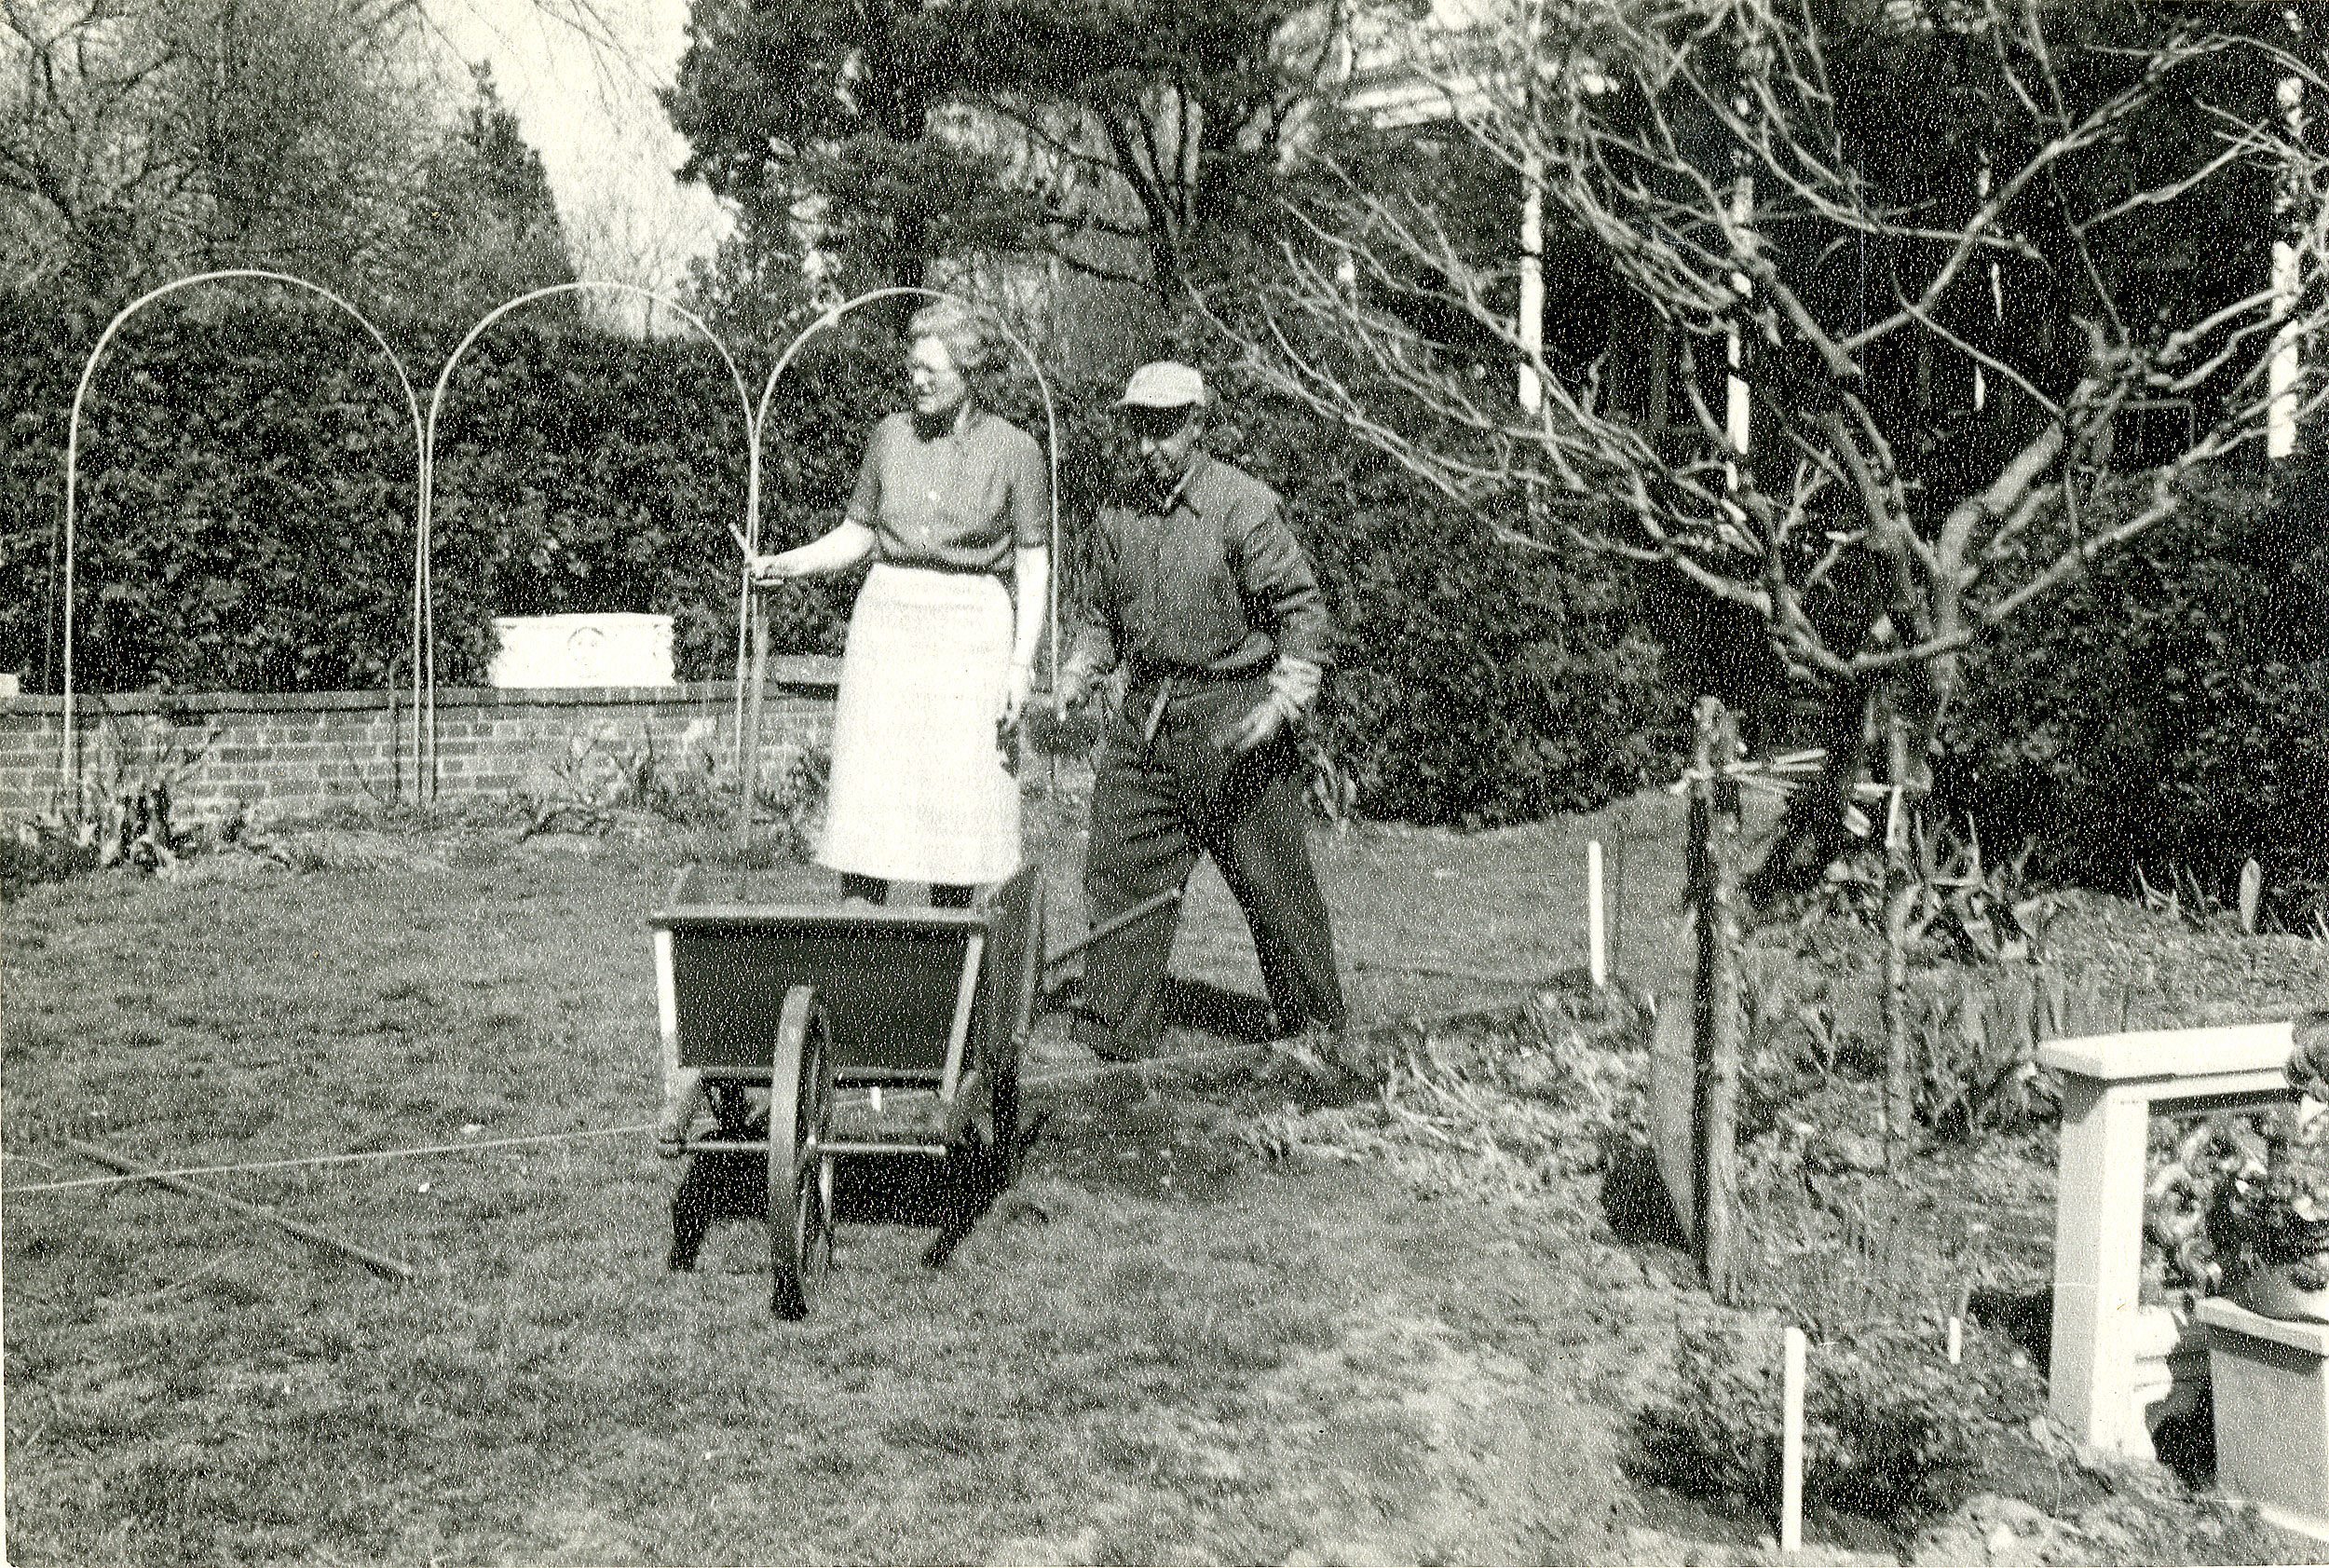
2110	1085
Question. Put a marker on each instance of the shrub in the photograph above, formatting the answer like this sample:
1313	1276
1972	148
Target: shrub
1477	682
36	852
2166	710
1889	1429
2246	1192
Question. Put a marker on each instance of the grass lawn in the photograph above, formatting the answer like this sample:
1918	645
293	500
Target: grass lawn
1159	1348
1155	1349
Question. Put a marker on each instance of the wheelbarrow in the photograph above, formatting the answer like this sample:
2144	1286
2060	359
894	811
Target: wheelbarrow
795	1035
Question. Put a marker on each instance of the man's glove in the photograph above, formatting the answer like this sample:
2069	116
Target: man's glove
1058	729
1016	686
1257	728
1293	686
1296	682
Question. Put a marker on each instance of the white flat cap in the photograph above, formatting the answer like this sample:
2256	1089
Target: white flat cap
1165	384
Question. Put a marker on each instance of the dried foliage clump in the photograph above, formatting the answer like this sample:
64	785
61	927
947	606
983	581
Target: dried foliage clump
1500	1106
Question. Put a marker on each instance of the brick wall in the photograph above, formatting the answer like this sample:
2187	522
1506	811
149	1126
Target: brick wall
288	756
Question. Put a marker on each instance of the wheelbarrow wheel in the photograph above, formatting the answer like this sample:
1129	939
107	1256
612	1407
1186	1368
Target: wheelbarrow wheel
800	1172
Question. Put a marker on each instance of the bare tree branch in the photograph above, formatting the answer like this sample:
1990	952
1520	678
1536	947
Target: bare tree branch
1645	121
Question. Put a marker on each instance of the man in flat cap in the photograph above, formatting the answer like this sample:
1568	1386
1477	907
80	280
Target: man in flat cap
1207	601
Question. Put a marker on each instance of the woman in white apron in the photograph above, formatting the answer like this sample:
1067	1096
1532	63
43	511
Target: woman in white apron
952	503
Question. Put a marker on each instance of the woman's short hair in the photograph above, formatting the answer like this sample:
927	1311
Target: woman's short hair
972	341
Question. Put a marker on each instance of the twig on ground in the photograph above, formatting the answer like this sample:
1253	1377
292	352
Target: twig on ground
373	1261
1448	971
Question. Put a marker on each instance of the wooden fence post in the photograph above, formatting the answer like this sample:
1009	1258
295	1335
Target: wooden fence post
1899	891
1714	845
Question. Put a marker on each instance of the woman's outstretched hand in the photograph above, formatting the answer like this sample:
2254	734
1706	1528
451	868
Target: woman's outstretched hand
765	570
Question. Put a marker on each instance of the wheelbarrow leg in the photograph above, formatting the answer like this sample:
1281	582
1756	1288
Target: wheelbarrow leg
717	1185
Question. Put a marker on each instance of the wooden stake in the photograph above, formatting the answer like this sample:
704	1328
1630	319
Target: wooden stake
1617	892
1714	824
1595	925
371	1261
1792	1440
1899	891
748	758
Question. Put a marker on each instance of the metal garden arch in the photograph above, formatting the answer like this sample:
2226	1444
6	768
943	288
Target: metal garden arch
429	472
67	758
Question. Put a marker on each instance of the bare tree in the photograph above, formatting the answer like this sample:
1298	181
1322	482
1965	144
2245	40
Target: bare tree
1918	263
144	138
1933	253
77	184
642	231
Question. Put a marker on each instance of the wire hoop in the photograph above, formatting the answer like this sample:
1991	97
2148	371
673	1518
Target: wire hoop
68	772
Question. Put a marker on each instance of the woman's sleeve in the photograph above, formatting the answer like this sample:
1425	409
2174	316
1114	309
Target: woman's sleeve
864	504
1030	497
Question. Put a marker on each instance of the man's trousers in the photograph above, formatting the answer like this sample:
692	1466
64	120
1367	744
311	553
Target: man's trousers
1164	790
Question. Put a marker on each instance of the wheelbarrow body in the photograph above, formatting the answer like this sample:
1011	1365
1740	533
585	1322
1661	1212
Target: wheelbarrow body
862	1031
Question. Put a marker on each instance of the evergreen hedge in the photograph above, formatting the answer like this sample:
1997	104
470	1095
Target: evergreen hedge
2170	710
247	500
246	496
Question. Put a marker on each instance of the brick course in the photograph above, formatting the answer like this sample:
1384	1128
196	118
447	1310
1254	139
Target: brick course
277	755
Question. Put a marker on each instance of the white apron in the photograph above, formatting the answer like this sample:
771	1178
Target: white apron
920	791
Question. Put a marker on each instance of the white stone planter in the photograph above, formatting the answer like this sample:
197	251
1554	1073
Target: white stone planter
537	650
2270	1378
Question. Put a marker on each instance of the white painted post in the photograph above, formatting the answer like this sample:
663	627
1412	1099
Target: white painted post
1596	923
1997	287
1532	322
1792	1440
1737	401
1956	1340
2280	411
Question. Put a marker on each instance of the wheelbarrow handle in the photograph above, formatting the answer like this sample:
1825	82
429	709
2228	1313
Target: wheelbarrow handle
1115	924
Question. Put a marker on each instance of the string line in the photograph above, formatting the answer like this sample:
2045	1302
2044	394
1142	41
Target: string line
327	1159
1057	1076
